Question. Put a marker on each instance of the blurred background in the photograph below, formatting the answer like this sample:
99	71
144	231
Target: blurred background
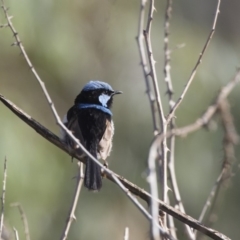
72	42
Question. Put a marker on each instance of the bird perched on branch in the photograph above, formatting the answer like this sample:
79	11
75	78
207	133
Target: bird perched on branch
90	120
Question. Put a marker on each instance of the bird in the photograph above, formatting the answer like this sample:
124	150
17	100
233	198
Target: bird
90	120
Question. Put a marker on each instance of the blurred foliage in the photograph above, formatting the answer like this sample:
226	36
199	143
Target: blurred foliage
71	42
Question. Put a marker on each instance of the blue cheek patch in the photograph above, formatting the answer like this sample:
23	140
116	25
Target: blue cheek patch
103	99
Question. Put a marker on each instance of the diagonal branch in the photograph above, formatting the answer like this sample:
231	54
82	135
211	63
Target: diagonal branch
134	189
171	114
71	216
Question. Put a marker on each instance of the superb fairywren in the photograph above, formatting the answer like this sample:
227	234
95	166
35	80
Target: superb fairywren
90	120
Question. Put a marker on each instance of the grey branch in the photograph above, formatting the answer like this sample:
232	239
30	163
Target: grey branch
194	71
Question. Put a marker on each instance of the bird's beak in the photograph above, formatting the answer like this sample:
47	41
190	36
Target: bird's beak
117	92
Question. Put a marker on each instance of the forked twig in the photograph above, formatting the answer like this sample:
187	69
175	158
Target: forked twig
24	219
59	122
171	114
3	196
72	216
206	116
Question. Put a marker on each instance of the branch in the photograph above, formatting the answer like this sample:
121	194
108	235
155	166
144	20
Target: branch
134	189
163	124
72	216
3	196
206	116
152	178
171	103
171	114
145	68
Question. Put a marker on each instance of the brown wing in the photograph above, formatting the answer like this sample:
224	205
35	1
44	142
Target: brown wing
105	145
73	126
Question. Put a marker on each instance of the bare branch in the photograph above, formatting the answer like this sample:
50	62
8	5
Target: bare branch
134	189
167	57
24	219
72	216
171	114
145	68
3	196
168	81
205	118
152	73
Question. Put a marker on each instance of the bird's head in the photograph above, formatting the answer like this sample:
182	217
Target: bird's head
97	92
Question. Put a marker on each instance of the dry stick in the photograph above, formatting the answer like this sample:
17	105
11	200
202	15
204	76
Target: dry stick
59	122
152	62
141	193
145	68
3	195
72	216
24	219
230	140
168	80
171	114
152	178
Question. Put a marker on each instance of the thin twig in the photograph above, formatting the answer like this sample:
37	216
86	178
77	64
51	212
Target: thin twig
152	178
24	219
171	114
71	215
145	68
126	234
168	81
167	56
15	233
59	122
134	189
3	196
206	116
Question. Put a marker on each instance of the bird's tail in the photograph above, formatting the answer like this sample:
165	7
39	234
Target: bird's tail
92	179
